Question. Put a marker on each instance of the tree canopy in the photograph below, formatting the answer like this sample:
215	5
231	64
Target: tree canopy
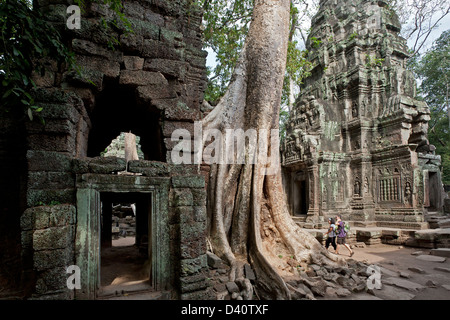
433	71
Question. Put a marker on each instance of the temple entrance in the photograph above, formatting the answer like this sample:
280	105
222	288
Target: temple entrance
125	260
433	188
300	200
120	250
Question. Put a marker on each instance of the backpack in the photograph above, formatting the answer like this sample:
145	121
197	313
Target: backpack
335	228
346	228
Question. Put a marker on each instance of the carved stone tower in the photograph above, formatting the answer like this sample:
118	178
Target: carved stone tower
357	139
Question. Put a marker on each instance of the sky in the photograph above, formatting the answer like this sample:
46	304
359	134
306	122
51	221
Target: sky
443	26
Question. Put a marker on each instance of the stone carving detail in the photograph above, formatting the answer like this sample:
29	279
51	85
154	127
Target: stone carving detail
357	188
366	185
408	193
355	109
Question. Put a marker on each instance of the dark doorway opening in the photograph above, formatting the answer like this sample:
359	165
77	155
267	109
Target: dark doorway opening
300	195
118	110
125	242
433	189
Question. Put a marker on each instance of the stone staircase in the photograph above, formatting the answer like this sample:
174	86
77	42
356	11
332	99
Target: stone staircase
437	220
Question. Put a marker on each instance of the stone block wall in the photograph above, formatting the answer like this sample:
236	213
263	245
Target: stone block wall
151	84
48	235
188	228
158	68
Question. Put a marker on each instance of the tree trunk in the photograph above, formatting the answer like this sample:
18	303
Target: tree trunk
249	220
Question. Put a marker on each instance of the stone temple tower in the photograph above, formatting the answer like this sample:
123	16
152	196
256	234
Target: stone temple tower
356	140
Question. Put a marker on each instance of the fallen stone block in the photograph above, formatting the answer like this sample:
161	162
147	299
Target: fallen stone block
232	287
393	293
404	275
368	233
431	284
249	273
387	273
416	270
404	284
342	292
431	258
213	261
330	292
442	269
442	252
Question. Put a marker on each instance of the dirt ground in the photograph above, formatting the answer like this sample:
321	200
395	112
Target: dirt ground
122	265
398	281
123	268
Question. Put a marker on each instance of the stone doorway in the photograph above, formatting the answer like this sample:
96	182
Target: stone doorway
142	265
433	188
125	259
300	190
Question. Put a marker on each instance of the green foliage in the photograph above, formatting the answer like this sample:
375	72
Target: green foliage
298	67
284	118
353	36
226	25
26	41
433	69
30	43
52	203
373	61
118	21
315	43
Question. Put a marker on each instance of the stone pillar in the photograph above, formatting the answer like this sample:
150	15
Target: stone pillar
314	194
143	213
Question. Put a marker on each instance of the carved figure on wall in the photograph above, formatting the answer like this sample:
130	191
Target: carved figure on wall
324	197
355	109
408	192
357	188
356	145
366	185
365	106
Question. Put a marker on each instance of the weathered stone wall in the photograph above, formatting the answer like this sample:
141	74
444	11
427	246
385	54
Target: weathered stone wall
151	84
48	235
188	229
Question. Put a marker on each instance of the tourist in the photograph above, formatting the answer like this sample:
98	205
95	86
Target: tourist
341	235
331	234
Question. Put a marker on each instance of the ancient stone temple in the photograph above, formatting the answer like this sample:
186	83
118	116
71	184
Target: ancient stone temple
59	191
356	141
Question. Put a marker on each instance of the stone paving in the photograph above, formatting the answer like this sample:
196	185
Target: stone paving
406	273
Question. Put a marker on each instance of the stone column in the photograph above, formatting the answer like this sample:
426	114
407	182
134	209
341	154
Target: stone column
314	194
